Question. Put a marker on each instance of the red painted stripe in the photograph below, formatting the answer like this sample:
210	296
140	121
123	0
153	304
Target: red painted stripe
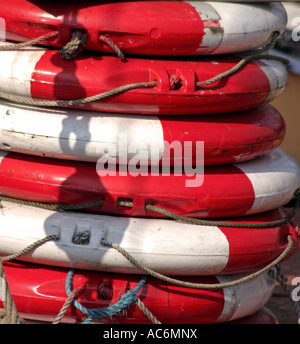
211	23
147	33
263	246
226	190
227	139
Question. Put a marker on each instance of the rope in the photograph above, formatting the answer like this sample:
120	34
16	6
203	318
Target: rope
69	301
202	222
50	206
165	212
32	42
258	54
146	312
239	65
97	97
126	300
74	294
200	285
113	46
29	248
75	46
281	279
10	314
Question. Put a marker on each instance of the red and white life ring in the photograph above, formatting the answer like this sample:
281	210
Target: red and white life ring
212	191
175	88
45	288
192	28
85	135
164	246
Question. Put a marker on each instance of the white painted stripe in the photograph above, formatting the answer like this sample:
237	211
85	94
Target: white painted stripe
231	299
274	178
276	72
212	38
248	26
158	244
205	10
79	134
245	298
16	69
254	295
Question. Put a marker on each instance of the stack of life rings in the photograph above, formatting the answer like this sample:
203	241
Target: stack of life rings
140	168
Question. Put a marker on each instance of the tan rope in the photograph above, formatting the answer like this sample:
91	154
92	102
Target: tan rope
239	65
149	207
146	311
113	46
200	285
17	46
65	306
97	97
29	248
10	314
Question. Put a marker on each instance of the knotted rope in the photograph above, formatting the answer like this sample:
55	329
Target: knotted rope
126	300
75	46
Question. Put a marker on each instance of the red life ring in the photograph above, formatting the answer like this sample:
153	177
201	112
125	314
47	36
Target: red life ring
217	191
85	135
45	288
175	88
159	244
195	27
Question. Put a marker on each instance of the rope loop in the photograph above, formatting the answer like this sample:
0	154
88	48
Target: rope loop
75	46
129	298
113	46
